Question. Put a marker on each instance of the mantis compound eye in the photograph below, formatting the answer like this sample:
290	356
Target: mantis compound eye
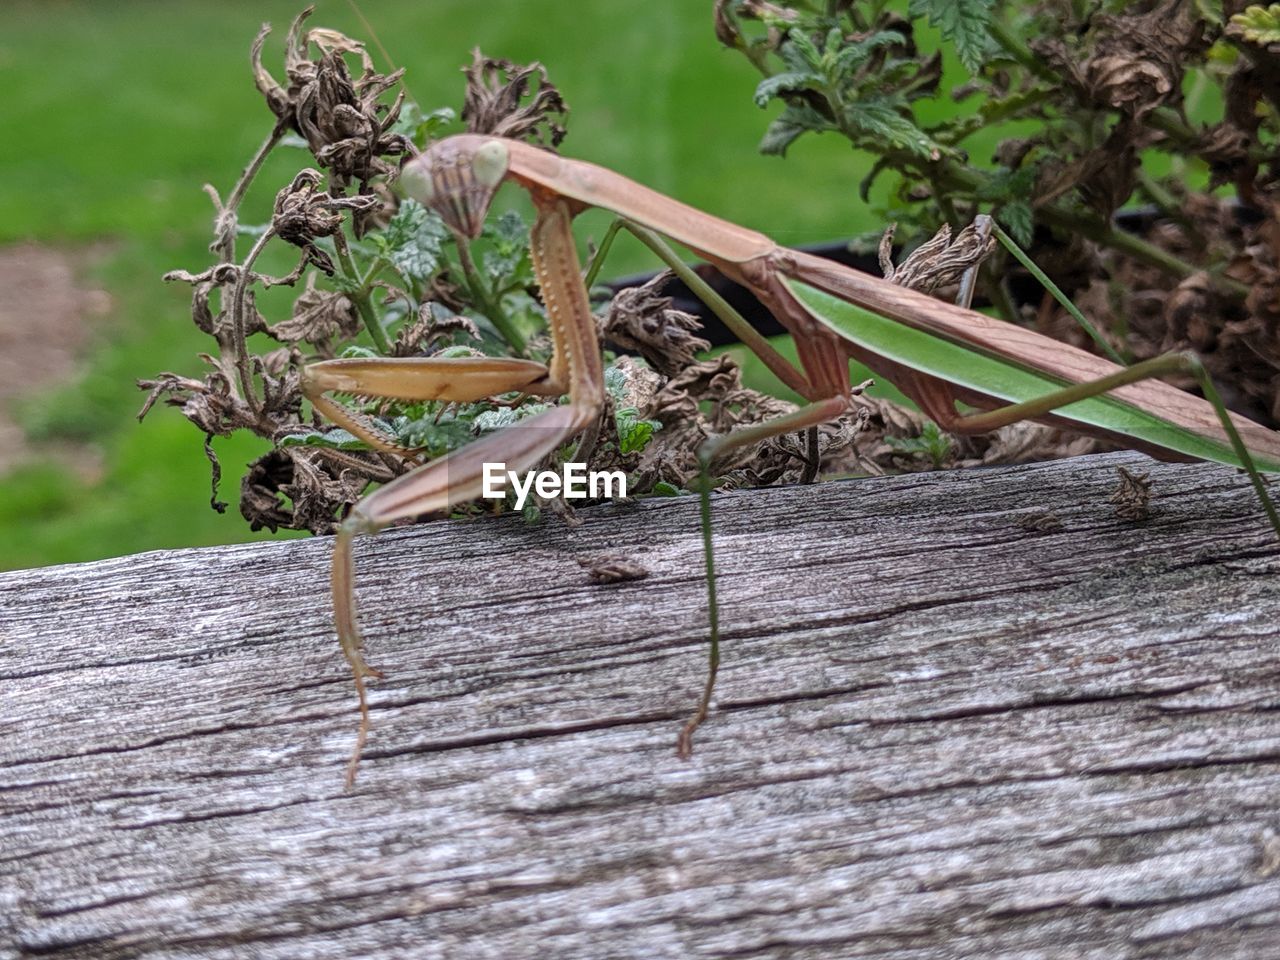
490	164
415	180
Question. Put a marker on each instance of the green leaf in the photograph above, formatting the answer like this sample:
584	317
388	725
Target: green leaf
1008	185
799	52
854	53
1018	219
1210	11
413	240
436	437
878	119
509	258
455	350
615	382
932	443
965	23
791	123
335	439
500	417
421	127
634	434
781	83
1258	24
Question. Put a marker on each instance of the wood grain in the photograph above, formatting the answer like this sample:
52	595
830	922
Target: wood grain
939	734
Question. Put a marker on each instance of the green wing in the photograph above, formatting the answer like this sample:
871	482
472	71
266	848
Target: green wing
970	367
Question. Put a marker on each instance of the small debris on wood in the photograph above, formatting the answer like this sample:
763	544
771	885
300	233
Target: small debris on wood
612	568
1269	860
1039	521
1132	497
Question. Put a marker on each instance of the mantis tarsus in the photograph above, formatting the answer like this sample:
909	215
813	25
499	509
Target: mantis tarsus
938	354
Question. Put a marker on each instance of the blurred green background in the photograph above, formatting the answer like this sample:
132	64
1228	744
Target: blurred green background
116	113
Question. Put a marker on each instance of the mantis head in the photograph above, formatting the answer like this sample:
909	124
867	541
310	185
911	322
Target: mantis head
457	178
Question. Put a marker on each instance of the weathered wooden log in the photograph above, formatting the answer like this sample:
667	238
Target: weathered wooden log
943	730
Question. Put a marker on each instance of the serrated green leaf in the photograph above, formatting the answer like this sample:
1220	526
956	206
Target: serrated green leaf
1008	185
413	240
878	119
508	260
931	442
497	419
781	83
1258	24
1016	216
436	437
634	433
791	123
500	417
421	127
1210	11
335	439
853	53
965	23
454	351
615	382
799	50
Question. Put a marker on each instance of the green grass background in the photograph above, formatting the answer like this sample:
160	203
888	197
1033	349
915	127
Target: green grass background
116	113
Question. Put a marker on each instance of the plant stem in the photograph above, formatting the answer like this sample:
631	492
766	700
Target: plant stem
360	295
251	171
480	293
238	294
1161	197
1136	247
227	249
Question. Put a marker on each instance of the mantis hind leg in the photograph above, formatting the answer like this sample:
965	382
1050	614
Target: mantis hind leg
1186	363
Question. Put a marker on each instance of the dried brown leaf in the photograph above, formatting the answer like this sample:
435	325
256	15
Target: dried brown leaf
505	99
641	319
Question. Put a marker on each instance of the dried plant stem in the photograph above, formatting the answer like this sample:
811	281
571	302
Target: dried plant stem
255	164
238	295
226	239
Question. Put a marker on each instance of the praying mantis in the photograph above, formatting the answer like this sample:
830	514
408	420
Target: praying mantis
940	355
